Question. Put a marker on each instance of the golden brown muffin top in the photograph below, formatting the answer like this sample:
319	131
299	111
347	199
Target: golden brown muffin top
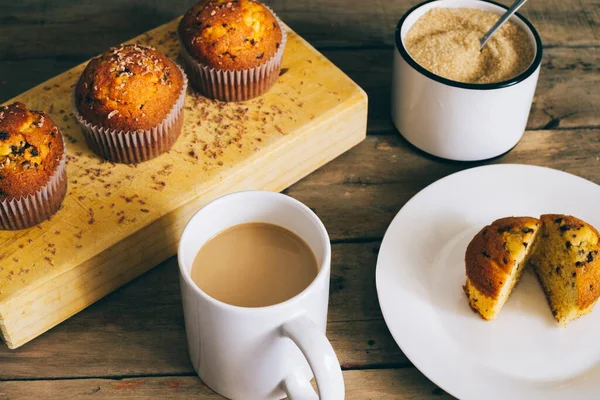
581	241
493	252
230	35
31	148
128	88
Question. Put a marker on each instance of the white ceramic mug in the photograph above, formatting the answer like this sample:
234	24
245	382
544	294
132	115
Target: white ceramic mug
264	352
454	120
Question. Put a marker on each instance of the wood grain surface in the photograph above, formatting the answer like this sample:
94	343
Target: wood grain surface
132	344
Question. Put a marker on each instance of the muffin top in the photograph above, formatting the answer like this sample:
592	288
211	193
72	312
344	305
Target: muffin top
31	148
230	35
128	88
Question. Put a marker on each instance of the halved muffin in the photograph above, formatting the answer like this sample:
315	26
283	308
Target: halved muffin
566	261
495	260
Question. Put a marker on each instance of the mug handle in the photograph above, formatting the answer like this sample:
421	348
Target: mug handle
321	358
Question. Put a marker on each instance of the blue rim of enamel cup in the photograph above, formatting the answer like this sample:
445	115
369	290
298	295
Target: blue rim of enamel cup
475	86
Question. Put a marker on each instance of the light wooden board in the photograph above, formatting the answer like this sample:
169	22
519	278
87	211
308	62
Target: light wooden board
118	220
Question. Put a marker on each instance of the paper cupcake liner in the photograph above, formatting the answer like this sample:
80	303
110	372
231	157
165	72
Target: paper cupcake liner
236	85
25	212
130	147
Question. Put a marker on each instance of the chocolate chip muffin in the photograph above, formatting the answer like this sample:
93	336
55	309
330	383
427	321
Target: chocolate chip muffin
495	260
32	167
566	261
130	101
563	251
233	49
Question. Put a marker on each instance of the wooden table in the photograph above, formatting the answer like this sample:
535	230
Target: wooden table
132	343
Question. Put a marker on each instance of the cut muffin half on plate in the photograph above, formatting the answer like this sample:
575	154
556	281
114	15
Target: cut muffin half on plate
495	260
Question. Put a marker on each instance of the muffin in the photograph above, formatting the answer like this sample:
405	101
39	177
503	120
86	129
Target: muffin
232	49
129	101
566	261
495	260
33	178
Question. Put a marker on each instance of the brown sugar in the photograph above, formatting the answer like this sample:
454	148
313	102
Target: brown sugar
445	41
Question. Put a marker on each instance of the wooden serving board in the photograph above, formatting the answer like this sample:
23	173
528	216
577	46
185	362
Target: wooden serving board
118	221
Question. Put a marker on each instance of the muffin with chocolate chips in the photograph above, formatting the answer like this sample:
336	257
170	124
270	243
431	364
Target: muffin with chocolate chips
129	101
495	260
563	251
233	49
32	167
567	263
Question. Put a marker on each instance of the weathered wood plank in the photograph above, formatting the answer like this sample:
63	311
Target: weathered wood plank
568	93
397	384
358	194
34	28
139	330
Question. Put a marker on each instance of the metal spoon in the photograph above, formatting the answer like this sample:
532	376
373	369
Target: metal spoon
513	9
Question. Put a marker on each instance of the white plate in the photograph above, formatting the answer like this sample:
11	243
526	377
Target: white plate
524	353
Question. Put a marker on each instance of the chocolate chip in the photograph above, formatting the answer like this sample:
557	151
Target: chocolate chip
526	230
260	56
558	220
486	255
564	228
4	135
504	229
574	274
568	244
559	270
252	42
590	257
34	152
505	260
525	244
579	264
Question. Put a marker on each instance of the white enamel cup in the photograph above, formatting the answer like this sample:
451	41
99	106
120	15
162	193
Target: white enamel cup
460	121
264	352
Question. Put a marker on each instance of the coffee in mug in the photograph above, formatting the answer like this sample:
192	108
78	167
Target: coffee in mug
254	264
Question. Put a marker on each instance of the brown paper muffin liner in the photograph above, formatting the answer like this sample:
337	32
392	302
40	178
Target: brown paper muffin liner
25	212
130	147
236	85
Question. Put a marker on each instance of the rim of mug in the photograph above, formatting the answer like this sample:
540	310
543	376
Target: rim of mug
275	307
537	60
